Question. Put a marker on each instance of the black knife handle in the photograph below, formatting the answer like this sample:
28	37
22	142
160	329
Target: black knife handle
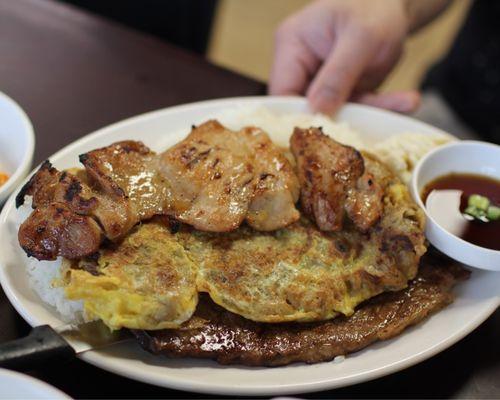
43	343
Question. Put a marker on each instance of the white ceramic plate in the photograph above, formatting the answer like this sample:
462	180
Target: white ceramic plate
17	144
14	385
476	299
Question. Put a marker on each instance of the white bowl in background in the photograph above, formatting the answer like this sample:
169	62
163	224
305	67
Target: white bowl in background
471	157
17	144
14	385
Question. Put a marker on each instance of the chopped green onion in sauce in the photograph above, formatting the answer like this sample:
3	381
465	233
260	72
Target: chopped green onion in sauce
479	207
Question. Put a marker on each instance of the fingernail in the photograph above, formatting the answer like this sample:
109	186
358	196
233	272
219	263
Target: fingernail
324	100
402	106
406	103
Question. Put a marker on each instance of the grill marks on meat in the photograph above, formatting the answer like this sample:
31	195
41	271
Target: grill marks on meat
57	230
129	170
219	178
126	173
62	222
364	202
327	170
49	185
333	181
276	187
230	339
213	180
211	174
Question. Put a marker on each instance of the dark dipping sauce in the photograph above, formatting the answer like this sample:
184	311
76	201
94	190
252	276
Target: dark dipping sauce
484	234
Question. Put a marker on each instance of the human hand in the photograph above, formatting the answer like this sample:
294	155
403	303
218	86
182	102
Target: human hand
335	50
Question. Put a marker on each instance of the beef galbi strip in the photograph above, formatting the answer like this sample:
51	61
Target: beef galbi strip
213	180
334	182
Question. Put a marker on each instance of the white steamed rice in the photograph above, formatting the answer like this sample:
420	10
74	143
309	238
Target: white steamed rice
402	152
42	275
280	125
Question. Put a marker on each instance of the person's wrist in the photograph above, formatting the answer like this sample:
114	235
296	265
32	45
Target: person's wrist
421	12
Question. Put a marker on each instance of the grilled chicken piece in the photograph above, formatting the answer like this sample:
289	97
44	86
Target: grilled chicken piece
364	204
333	180
327	170
56	230
62	223
276	185
126	174
211	175
99	210
129	170
219	177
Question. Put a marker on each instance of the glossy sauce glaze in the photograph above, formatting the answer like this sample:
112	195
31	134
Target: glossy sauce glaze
484	234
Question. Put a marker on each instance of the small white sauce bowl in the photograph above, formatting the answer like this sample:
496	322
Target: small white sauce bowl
17	145
471	157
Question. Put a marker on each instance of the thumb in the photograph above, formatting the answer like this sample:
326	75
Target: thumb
293	63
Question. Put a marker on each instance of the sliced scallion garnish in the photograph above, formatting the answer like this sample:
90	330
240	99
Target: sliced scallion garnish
479	207
493	213
478	201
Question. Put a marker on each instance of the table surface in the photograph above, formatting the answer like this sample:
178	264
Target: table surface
74	72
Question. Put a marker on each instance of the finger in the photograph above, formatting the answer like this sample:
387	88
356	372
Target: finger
293	64
339	74
404	102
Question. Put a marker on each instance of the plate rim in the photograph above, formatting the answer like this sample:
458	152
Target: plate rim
299	388
98	360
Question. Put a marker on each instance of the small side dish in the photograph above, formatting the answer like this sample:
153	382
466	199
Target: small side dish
17	145
478	207
3	178
458	187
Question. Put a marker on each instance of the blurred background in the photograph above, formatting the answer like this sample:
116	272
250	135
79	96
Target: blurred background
242	39
239	34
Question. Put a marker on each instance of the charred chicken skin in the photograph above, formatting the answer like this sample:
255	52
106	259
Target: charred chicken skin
334	182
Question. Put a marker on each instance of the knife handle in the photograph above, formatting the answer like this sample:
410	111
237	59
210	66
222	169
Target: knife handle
42	343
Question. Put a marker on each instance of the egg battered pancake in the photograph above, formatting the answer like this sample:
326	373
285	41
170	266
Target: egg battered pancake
146	282
297	273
